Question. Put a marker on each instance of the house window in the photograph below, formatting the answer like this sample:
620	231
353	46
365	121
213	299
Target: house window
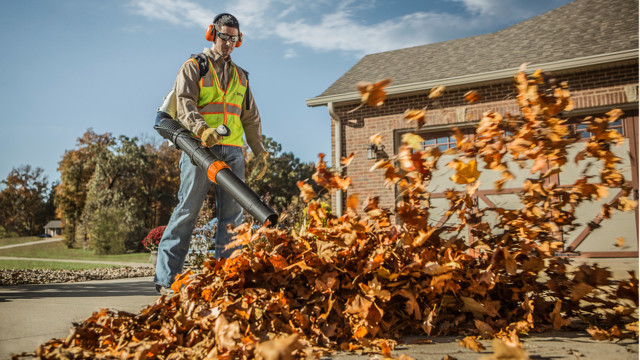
443	140
581	129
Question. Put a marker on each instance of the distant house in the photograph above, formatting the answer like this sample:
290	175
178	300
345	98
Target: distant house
591	44
53	228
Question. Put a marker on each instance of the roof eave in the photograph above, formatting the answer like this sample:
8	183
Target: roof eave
482	77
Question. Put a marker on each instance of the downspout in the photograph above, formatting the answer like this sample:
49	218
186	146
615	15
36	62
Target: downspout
338	151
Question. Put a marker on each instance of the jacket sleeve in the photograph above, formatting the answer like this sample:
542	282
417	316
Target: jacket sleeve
252	124
187	93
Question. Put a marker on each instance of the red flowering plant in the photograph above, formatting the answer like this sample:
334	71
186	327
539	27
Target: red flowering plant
151	241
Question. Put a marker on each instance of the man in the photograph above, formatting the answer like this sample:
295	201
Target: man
220	96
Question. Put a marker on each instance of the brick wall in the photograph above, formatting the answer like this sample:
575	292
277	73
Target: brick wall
592	88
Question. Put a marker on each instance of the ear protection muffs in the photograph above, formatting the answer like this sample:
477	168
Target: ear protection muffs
211	31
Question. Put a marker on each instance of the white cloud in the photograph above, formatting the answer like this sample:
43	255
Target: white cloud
178	12
510	9
341	27
254	16
290	53
340	31
483	7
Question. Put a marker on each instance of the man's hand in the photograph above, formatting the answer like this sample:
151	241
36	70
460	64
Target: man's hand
209	136
261	165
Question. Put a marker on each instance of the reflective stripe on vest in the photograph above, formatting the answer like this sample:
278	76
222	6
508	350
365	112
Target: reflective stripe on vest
220	107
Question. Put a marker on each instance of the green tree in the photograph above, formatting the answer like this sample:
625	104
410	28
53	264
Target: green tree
49	206
109	232
76	169
162	180
115	189
23	201
283	172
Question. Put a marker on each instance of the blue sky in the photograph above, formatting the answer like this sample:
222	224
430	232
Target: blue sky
70	65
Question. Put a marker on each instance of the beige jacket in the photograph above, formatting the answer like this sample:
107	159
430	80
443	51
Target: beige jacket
187	93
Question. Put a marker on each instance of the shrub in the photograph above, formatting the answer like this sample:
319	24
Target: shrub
109	232
151	241
7	234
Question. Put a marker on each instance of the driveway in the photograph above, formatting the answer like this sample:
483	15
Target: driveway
34	314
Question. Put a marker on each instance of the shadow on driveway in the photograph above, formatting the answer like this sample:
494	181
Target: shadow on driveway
96	288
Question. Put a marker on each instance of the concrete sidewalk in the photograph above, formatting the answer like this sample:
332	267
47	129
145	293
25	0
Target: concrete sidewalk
33	314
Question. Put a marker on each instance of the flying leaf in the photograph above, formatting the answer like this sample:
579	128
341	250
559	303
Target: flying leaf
470	342
385	349
373	94
598	334
346	161
306	191
413	141
279	349
466	173
436	92
181	279
633	327
415	118
558	320
472	96
352	202
503	350
625	204
376	139
226	333
580	290
327	178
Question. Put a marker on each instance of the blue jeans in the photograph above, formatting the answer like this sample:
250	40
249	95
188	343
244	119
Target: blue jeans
194	185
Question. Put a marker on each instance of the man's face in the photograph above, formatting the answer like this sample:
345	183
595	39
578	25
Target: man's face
225	47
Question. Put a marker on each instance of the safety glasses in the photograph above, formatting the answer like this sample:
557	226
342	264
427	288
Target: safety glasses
227	37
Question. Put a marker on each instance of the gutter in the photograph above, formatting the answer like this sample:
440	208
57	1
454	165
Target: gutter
592	60
338	153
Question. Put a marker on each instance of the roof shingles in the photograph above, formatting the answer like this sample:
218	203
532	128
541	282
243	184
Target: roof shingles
578	29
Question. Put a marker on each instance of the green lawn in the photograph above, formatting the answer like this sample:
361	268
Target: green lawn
49	265
57	250
19	240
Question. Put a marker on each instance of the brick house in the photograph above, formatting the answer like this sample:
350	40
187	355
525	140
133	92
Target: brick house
591	44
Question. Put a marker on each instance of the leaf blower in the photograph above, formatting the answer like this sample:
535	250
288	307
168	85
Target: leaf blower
217	170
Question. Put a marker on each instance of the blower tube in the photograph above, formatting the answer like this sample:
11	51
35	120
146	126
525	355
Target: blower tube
217	171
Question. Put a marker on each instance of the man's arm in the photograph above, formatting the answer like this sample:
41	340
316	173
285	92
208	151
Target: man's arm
187	93
252	124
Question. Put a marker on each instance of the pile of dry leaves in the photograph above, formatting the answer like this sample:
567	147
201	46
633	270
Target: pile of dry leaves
361	281
46	276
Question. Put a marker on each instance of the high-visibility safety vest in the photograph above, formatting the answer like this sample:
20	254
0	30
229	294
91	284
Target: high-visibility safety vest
223	107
